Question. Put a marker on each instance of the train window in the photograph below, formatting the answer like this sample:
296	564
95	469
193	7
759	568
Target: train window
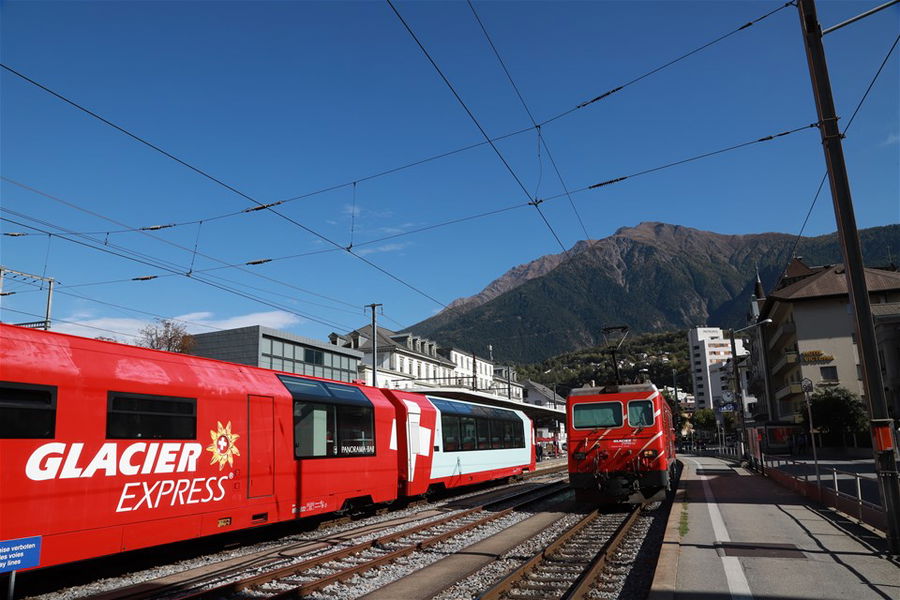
467	432
142	416
356	431
597	414
518	435
509	438
484	434
640	413
313	430
497	434
450	432
27	411
330	419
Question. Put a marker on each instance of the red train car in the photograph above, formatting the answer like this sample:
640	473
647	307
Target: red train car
106	447
621	443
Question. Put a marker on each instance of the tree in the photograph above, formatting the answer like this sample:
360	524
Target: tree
837	411
704	419
728	421
166	335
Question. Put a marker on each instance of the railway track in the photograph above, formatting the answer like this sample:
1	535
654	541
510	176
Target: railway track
569	566
283	573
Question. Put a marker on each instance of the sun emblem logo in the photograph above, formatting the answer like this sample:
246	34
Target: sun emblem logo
222	447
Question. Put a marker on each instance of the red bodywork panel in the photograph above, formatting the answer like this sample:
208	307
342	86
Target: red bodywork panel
610	450
88	494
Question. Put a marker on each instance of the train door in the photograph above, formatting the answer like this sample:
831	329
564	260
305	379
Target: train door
413	432
261	459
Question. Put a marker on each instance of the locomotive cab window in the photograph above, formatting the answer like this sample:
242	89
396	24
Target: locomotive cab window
27	411
640	413
142	416
330	419
595	415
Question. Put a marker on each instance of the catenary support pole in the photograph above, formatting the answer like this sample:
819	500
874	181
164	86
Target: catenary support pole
882	424
374	345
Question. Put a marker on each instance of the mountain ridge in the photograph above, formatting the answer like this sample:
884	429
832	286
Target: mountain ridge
654	276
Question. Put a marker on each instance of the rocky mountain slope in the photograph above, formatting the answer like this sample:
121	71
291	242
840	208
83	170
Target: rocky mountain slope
652	277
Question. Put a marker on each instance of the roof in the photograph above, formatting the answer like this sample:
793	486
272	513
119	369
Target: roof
390	339
832	281
886	309
544	391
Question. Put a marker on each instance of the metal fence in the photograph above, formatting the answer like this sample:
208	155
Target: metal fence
851	493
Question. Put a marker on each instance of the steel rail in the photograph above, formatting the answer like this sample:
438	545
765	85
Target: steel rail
306	588
583	583
582	586
148	589
510	581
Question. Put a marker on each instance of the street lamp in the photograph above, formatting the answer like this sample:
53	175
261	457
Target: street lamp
736	383
807	386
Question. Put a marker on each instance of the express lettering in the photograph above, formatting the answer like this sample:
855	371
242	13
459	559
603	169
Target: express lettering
58	460
182	491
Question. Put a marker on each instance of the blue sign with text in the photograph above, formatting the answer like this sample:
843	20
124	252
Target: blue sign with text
20	554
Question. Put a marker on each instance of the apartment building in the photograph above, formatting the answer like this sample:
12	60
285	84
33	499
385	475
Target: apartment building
812	335
710	349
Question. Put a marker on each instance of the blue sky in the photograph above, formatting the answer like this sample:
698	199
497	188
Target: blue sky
281	99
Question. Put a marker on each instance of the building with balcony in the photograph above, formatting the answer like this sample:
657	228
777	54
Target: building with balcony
813	335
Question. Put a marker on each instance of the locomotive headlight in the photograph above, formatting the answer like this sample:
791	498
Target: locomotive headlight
649	453
579	456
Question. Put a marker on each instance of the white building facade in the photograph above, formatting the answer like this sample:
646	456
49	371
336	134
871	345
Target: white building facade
709	351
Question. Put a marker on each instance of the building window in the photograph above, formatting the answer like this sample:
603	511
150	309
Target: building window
828	373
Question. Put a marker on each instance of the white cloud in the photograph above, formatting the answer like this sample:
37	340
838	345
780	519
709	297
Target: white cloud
122	329
384	248
891	139
349	210
276	319
400	228
127	330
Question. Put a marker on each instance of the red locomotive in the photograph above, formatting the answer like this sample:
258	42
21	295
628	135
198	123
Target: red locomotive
107	447
621	443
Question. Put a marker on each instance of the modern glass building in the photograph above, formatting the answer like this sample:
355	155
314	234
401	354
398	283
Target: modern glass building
272	349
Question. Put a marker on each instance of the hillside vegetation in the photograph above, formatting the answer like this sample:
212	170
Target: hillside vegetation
654	277
658	353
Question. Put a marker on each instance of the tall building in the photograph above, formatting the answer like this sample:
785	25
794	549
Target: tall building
709	351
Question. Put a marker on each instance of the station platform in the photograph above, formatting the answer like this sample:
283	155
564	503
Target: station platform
736	535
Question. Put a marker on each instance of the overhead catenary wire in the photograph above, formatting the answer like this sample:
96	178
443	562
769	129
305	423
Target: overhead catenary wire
133	310
475	121
268	207
194	252
541	138
55	320
259	206
655	70
500	210
790	255
193	277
